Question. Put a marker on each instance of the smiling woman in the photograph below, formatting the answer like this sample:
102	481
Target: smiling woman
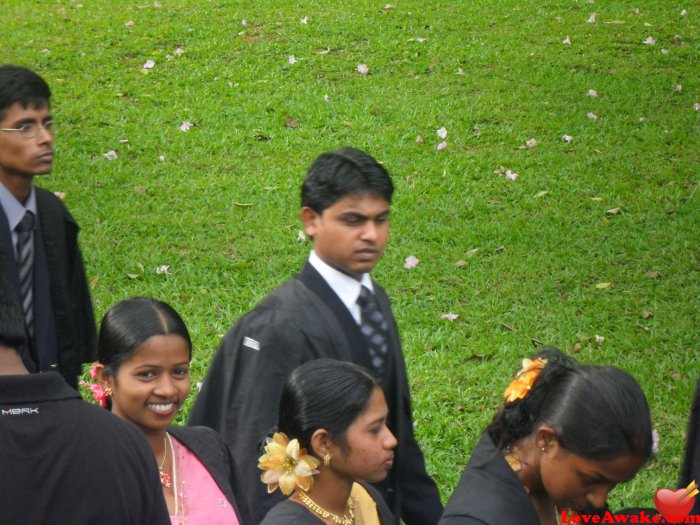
144	353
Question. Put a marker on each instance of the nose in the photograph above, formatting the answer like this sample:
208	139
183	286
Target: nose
390	441
166	387
598	497
44	135
369	232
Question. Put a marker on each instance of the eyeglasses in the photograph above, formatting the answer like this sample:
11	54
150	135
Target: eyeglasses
31	129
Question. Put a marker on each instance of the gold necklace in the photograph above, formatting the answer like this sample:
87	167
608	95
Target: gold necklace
340	520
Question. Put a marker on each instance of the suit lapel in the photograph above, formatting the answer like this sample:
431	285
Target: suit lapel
356	341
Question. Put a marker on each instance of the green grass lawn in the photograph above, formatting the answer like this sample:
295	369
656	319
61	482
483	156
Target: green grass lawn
219	203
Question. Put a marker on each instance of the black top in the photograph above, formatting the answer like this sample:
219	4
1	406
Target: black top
691	463
291	513
301	320
64	324
489	492
63	460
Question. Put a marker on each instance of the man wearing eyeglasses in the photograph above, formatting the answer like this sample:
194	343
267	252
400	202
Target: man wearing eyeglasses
39	233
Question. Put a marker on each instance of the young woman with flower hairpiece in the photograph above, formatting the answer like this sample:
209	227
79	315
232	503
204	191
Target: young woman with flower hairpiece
566	436
332	439
144	352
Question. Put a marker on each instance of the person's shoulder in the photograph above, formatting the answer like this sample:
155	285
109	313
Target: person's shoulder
49	203
289	513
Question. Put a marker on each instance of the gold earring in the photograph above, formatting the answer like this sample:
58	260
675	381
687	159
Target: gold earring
327	459
108	391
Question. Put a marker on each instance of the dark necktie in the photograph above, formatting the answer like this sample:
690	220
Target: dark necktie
25	264
374	328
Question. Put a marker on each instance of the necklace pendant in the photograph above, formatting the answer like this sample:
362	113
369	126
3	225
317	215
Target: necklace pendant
165	480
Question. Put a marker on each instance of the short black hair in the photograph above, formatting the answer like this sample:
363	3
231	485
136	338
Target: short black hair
324	393
19	84
12	331
597	412
337	174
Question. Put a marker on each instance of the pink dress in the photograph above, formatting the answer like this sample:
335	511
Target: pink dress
200	501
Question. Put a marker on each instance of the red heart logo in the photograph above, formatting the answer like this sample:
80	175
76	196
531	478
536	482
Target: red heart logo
674	505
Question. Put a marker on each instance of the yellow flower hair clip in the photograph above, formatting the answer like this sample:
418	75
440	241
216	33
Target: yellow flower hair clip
524	379
286	465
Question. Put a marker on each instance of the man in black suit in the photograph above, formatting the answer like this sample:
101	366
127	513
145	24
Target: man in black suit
39	235
331	309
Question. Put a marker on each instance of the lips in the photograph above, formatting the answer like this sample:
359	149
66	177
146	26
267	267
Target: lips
163	409
46	157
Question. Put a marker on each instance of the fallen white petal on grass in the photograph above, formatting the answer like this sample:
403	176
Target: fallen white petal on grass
185	126
110	155
678	88
419	139
292	59
460	71
592	116
198	386
592	93
421	39
301	237
664	51
531	143
441	133
325	98
244	22
649	41
567	138
61	195
130	23
46	51
411	262
362	69
304	20
599	339
179	52
696	106
684	12
169	58
161	158
449	316
442	145
163	268
566	41
591	20
511	175
150	64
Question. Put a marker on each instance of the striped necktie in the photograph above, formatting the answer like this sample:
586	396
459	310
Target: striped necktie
25	264
374	328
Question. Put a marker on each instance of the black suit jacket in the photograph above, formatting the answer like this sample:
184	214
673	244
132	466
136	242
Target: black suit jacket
303	320
64	323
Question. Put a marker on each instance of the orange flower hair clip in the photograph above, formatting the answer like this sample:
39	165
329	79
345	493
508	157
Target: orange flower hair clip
287	465
524	379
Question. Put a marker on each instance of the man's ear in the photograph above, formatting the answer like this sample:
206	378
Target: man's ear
310	219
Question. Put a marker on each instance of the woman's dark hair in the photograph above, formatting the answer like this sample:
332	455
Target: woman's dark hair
324	393
337	174
129	323
597	412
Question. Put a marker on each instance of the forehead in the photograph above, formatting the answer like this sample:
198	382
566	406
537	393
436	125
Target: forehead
376	408
18	111
365	203
617	470
159	349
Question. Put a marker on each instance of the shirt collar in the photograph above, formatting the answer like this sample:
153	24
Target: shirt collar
345	287
15	210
